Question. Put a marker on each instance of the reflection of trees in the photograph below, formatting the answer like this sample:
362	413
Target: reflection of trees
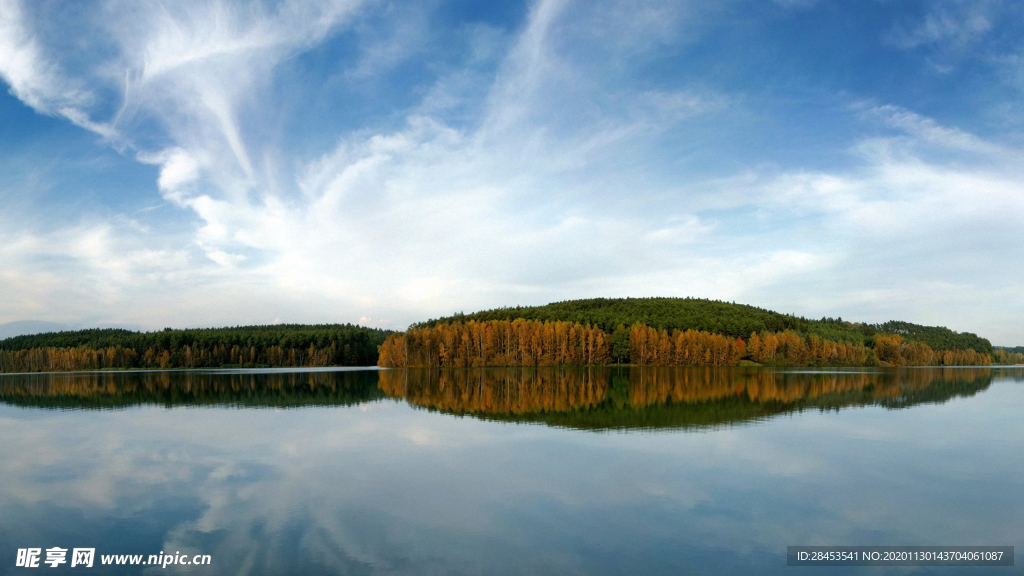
661	385
172	388
656	397
499	391
593	398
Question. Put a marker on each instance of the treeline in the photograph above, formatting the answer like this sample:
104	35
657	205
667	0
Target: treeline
936	337
537	343
1004	355
286	345
651	347
893	350
788	348
717	317
497	343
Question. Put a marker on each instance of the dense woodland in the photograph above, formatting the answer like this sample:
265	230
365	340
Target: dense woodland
716	317
1003	355
642	331
242	346
498	343
557	343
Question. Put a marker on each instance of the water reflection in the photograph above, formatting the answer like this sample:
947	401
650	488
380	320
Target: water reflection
584	398
379	486
661	397
254	388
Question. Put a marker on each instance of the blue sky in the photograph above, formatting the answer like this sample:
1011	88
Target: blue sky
214	163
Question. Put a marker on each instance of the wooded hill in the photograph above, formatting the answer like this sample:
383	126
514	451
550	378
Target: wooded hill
716	317
275	345
557	343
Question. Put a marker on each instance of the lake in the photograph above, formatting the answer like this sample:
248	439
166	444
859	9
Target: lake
509	471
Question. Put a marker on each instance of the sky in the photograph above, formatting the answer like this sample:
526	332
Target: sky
195	164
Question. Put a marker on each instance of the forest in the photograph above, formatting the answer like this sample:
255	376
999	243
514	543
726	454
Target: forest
640	331
241	346
717	317
559	343
1005	356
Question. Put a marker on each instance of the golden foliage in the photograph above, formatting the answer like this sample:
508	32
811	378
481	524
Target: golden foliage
648	346
892	350
788	348
82	358
536	343
497	343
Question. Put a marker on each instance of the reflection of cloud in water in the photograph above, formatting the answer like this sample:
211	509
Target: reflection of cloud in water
343	490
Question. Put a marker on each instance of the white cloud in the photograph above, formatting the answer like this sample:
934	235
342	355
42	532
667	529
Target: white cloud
955	24
31	78
177	169
392	224
926	131
913	235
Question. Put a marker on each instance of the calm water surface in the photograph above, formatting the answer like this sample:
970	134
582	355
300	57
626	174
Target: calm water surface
495	471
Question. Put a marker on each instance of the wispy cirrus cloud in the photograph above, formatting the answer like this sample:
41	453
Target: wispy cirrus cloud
33	78
200	72
953	23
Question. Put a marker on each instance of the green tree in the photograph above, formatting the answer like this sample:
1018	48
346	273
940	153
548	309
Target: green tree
620	345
